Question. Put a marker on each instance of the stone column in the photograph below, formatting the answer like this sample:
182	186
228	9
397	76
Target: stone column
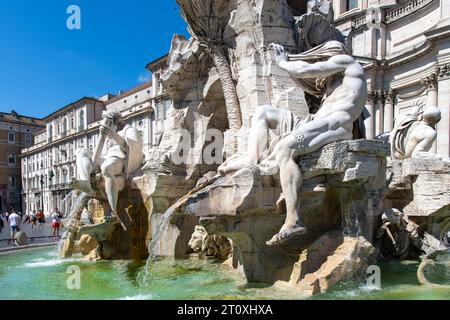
389	110
431	82
380	113
443	97
370	122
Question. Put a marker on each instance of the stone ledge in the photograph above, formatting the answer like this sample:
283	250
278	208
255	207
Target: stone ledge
425	181
356	159
249	192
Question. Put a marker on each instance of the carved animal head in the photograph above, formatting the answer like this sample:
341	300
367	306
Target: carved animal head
393	216
198	239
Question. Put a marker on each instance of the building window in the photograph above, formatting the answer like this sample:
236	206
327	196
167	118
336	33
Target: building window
50	133
12	181
28	139
167	106
162	108
159	111
11	137
64	132
351	4
72	123
11	158
81	120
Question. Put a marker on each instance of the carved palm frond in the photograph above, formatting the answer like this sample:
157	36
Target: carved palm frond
207	20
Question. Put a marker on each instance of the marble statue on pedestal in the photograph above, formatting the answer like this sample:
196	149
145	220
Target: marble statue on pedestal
414	133
122	156
328	69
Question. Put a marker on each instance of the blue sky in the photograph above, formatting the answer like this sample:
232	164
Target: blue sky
44	65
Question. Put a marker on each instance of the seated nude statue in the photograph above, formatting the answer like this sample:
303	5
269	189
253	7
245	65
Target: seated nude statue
327	68
122	156
414	133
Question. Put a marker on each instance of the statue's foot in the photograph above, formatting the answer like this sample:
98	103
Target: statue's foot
233	164
83	186
286	234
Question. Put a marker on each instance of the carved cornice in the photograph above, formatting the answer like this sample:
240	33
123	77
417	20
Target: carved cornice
406	9
359	20
412	94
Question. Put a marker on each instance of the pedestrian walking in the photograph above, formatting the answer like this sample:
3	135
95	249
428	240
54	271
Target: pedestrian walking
56	222
33	219
14	224
40	218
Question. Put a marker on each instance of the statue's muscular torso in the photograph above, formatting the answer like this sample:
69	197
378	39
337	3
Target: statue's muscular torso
346	91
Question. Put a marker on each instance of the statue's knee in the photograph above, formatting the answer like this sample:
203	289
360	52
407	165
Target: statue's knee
83	153
285	150
107	170
261	113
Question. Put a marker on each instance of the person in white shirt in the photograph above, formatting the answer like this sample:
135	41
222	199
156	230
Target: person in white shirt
56	222
14	224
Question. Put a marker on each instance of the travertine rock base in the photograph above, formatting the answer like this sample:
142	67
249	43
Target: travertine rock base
343	193
420	189
329	260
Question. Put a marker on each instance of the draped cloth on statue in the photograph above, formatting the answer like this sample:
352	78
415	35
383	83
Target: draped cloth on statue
317	86
323	52
398	137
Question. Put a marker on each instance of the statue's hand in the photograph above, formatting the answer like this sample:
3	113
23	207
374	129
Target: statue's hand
106	130
280	53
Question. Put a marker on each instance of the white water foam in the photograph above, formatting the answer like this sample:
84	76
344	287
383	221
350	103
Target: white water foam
138	297
38	263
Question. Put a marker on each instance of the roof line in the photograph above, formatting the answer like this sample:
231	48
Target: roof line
71	105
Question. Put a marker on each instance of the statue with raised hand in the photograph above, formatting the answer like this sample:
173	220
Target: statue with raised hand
118	154
344	83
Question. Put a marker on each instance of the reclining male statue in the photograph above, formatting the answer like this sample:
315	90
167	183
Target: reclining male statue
414	133
122	157
328	71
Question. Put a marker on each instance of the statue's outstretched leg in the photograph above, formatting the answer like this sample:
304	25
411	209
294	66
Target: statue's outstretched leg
265	118
306	138
291	182
112	170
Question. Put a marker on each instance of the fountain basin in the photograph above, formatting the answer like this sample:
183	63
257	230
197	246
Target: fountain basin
39	274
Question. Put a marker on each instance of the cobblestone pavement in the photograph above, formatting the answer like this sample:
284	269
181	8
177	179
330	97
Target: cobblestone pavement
44	231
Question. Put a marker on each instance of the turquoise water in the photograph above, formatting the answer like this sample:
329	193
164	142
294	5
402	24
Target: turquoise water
39	274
